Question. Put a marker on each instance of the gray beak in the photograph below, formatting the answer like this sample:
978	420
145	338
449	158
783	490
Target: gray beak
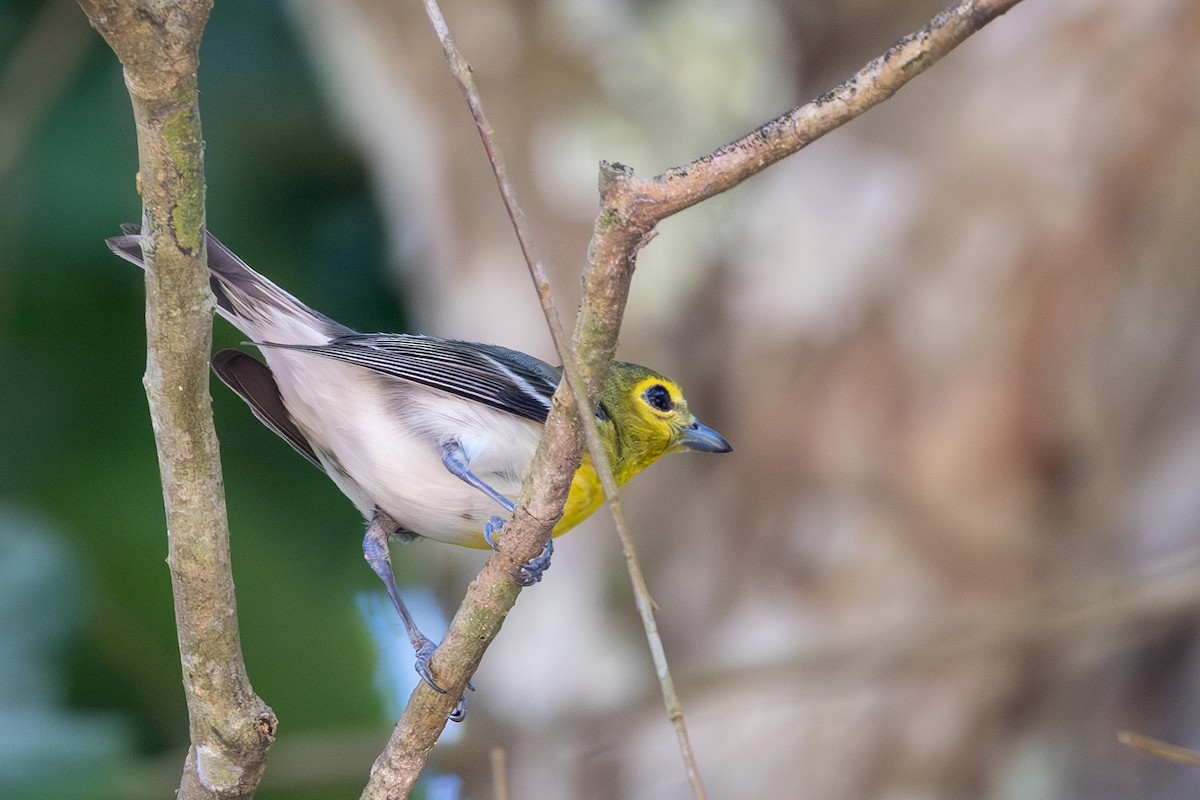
703	439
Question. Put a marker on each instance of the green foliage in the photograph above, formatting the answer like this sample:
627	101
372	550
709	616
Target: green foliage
76	438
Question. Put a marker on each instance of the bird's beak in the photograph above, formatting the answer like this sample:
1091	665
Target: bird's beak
703	439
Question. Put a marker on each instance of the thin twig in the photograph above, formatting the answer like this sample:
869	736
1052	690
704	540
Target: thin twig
522	542
1160	749
231	729
500	773
577	390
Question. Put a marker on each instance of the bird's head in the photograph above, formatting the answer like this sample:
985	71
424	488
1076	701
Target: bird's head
649	417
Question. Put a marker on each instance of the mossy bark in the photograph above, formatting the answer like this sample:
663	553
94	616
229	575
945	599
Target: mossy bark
231	729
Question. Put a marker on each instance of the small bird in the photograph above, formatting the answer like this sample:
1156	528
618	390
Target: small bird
427	437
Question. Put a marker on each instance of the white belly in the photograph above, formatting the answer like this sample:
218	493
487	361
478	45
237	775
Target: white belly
381	438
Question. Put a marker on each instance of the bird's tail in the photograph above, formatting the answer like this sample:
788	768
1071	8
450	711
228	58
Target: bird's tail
251	302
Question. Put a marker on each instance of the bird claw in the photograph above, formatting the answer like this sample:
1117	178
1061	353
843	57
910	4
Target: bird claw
531	571
490	529
460	709
424	654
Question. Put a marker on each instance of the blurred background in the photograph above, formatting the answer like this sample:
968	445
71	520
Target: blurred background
956	345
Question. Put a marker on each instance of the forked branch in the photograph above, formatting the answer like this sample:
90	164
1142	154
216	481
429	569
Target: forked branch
631	208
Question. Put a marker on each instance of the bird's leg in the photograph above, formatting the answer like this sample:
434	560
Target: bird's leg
455	460
375	550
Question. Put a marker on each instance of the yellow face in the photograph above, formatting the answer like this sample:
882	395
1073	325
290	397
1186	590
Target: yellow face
650	418
642	416
661	410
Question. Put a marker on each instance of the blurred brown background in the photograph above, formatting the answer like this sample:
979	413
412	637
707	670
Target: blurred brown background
956	346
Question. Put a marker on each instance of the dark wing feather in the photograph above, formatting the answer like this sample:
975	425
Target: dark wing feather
253	382
496	376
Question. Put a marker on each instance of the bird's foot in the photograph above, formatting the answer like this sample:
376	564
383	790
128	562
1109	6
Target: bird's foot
531	571
490	529
460	709
424	652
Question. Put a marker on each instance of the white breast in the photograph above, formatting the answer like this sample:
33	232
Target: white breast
380	440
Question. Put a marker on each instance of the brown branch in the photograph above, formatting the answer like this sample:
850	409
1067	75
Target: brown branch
231	729
499	774
631	208
492	594
681	187
393	766
1159	749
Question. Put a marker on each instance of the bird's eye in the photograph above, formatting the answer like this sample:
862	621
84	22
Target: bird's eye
659	398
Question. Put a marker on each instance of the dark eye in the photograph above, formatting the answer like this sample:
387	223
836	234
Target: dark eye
659	398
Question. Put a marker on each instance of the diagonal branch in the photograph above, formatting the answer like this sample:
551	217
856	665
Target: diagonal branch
684	186
231	729
631	208
573	391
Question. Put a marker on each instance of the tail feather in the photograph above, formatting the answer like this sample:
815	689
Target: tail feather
251	302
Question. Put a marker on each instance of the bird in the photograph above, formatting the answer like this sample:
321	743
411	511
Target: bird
428	437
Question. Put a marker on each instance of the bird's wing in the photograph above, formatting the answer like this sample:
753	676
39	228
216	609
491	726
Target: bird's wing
253	382
496	376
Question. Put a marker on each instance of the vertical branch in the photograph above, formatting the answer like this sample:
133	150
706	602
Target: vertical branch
231	729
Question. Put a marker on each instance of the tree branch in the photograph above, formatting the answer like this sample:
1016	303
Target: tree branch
680	187
631	208
528	541
231	729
